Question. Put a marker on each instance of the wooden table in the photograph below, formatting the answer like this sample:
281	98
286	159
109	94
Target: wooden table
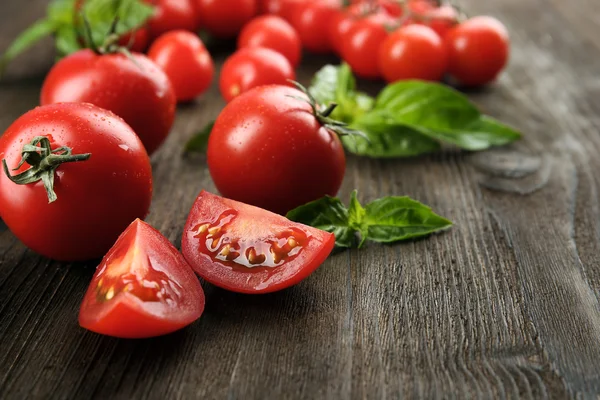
504	305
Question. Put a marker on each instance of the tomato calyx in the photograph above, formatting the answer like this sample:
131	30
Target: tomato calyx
323	115
111	43
44	162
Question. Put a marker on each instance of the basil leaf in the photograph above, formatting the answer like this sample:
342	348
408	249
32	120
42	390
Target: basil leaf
387	139
393	219
199	142
328	214
387	220
66	41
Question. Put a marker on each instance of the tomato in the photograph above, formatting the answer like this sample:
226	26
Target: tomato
479	50
312	20
136	41
96	198
283	8
441	19
170	15
225	18
413	52
268	149
186	62
139	92
342	21
275	33
250	67
364	37
142	288
244	249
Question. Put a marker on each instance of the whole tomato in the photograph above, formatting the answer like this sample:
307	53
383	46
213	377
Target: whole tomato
275	33
88	178
185	60
312	20
170	15
251	67
479	50
270	150
135	89
413	52
225	18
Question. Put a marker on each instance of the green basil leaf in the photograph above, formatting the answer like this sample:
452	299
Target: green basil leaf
328	214
27	39
199	142
387	139
66	41
356	218
392	219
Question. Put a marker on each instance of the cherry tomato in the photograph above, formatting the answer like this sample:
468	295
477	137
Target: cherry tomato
225	18
250	67
413	52
364	37
136	41
142	288
342	21
186	62
96	198
479	50
136	90
170	15
282	8
245	249
312	20
275	33
268	149
442	19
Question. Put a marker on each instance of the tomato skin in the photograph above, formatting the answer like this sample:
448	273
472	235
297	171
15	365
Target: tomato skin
281	8
479	50
143	97
442	19
343	20
137	41
185	60
413	52
225	18
362	39
267	149
146	287
170	15
97	198
312	20
274	33
238	232
250	67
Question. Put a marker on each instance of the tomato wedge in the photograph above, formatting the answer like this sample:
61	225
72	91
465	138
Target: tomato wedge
142	288
246	249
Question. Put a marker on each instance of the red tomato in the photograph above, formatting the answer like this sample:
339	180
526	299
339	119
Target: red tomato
244	249
413	52
392	7
364	37
275	33
442	19
170	15
312	20
282	8
250	67
185	60
139	92
136	41
268	149
342	21
479	50
96	198
225	18
142	288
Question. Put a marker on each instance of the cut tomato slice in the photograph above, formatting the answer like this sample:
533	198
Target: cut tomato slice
142	288
246	249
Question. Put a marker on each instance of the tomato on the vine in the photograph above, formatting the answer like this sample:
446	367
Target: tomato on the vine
312	20
135	89
245	249
142	288
170	15
225	18
479	50
413	52
250	67
186	62
275	33
92	168
269	149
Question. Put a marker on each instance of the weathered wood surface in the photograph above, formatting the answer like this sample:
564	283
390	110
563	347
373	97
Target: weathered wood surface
505	305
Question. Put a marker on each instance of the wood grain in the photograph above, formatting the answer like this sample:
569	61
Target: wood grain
505	305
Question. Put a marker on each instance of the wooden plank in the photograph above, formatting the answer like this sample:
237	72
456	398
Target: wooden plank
505	305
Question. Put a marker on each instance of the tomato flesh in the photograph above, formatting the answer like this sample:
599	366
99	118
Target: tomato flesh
245	249
142	288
